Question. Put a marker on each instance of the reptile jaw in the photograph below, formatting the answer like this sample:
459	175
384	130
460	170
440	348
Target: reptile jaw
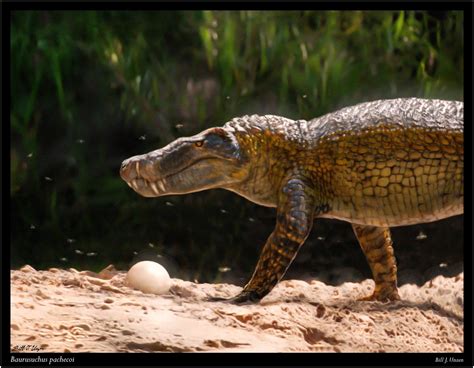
146	176
139	185
137	177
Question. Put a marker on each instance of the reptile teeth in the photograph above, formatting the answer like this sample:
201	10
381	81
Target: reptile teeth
154	188
161	185
137	167
134	184
130	185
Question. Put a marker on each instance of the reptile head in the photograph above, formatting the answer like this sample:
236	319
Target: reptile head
210	159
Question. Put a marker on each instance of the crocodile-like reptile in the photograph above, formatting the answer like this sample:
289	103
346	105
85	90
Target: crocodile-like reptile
376	164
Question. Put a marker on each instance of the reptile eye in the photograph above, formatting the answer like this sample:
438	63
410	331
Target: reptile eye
199	144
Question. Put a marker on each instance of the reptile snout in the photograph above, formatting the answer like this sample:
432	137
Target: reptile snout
138	167
128	169
139	173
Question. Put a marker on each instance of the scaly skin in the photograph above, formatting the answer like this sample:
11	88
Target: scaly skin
376	165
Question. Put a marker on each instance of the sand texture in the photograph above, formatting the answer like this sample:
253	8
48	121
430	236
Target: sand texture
60	310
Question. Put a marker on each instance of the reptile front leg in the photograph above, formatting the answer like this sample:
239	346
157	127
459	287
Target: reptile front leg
296	207
376	244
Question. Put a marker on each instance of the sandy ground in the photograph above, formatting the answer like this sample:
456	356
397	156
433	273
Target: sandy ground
70	311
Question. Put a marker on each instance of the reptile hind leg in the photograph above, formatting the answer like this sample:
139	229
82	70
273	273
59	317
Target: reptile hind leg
376	244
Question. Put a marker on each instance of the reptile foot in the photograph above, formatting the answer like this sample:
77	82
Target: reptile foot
245	297
379	297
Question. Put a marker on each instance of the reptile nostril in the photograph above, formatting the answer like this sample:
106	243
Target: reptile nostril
127	171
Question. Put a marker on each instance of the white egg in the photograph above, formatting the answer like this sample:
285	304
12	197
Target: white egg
149	277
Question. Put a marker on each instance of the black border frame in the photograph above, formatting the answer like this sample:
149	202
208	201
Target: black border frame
234	359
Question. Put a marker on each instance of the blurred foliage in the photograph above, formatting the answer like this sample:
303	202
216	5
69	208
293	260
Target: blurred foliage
90	89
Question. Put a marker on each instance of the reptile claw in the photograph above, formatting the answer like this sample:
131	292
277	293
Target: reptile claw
216	299
245	297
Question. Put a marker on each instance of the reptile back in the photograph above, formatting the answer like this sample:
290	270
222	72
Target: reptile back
390	162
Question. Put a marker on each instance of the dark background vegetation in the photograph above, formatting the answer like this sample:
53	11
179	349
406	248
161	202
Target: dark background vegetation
89	89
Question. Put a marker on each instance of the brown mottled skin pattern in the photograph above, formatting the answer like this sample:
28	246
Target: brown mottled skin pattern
377	164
